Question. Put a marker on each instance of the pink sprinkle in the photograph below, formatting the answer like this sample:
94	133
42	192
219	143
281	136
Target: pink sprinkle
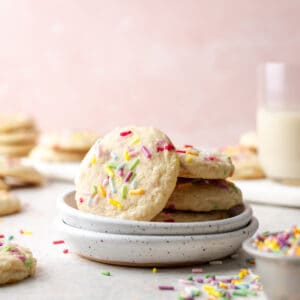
66	251
128	176
159	149
188	146
181	151
121	172
125	133
2	236
186	282
212	158
166	287
133	153
81	200
58	242
146	152
1	244
14	250
169	147
22	257
200	280
197	270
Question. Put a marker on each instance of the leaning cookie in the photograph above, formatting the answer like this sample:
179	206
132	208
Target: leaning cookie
129	174
9	203
13	122
16	263
204	195
195	163
13	168
245	162
183	216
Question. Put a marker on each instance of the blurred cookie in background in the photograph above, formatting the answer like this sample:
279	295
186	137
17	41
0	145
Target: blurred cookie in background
65	146
249	140
18	135
245	162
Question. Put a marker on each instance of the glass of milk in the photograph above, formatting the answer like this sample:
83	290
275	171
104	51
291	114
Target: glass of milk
278	121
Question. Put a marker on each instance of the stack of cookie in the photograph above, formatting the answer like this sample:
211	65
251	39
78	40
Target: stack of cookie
132	173
18	135
202	192
65	146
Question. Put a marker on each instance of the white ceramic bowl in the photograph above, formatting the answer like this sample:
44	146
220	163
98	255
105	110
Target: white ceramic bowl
82	220
154	250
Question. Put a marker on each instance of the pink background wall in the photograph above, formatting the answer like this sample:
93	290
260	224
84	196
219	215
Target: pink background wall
185	66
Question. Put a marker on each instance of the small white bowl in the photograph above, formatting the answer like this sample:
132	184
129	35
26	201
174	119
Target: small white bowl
82	220
154	250
279	273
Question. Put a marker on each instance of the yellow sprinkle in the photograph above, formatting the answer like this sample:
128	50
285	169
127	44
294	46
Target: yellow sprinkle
192	153
26	232
93	160
102	191
188	159
115	203
223	285
118	180
135	141
243	273
109	171
136	192
154	270
208	288
126	155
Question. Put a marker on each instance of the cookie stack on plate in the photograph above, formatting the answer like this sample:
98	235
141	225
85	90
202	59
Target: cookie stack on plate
65	146
18	135
202	192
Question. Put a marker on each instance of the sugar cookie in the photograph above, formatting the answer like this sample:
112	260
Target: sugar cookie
130	174
9	203
13	122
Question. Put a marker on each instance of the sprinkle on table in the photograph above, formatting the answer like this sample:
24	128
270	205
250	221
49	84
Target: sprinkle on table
65	251
106	273
154	270
26	232
166	287
197	270
2	236
58	242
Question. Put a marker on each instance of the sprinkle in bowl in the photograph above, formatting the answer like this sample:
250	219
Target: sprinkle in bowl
277	257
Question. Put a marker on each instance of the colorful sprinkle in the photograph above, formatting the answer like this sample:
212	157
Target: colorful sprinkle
115	203
166	287
188	159
112	185
126	155
146	152
128	176
125	133
65	251
180	151
81	200
192	153
134	164
197	270
154	270
93	160
109	171
124	191
136	192
169	147
25	232
114	155
135	141
58	242
102	190
106	273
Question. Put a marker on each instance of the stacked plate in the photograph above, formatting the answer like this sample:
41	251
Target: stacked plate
137	243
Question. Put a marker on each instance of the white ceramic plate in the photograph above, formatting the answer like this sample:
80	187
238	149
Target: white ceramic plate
153	250
82	220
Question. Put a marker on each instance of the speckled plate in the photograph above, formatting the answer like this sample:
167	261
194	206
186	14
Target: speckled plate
82	220
154	250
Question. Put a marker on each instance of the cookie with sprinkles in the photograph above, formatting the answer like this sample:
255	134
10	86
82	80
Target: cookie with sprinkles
16	263
9	203
195	163
202	195
185	216
129	174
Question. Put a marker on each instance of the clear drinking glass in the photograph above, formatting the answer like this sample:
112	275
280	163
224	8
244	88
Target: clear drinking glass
278	121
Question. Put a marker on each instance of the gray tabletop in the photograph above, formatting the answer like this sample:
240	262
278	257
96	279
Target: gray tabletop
67	276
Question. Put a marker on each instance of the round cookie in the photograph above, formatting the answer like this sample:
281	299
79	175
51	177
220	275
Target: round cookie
77	141
13	122
129	174
46	154
204	195
16	263
15	150
195	163
245	162
249	140
13	168
9	203
20	136
182	216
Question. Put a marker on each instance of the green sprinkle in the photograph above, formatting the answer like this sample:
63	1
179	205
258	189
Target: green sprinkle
134	164
132	177
208	275
27	262
181	298
112	165
8	248
242	293
95	189
124	191
106	273
11	237
195	293
190	278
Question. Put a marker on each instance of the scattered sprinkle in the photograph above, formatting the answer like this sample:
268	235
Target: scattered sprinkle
124	191
134	164
136	192
25	232
166	287
115	203
58	242
146	152
102	190
65	251
126	155
135	141
154	270
125	133
106	273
